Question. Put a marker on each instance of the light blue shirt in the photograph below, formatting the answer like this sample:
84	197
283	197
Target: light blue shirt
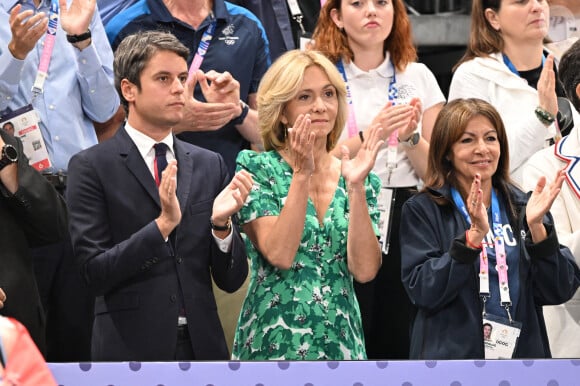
79	88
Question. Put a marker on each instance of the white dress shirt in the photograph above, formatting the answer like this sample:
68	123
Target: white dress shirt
145	144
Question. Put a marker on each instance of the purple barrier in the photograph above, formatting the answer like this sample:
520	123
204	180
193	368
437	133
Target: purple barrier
554	372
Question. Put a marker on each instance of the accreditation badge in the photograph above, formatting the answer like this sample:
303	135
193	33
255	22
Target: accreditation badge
385	205
500	337
26	126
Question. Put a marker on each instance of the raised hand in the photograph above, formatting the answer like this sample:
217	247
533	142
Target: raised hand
205	116
477	212
170	215
232	198
219	87
548	100
75	20
357	169
26	31
300	143
542	198
406	131
395	117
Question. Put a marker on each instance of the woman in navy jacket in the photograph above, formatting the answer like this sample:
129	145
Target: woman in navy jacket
469	212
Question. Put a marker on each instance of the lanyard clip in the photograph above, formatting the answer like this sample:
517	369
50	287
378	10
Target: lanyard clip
38	86
507	309
298	19
484	298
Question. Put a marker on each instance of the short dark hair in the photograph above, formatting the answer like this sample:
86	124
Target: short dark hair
488	324
135	51
569	73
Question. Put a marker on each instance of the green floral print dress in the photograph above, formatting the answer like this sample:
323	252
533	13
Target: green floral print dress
308	312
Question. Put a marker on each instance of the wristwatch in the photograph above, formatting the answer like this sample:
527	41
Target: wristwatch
412	141
9	156
79	38
245	109
226	227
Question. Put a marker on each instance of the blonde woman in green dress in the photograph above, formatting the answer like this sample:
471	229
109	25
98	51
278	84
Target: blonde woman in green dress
310	220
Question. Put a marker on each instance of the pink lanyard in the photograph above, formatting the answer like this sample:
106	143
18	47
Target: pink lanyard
202	48
392	141
500	254
42	73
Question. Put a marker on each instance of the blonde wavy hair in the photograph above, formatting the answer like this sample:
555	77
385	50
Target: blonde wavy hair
281	84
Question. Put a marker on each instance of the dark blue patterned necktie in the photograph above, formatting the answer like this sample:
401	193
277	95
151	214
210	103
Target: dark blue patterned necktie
160	162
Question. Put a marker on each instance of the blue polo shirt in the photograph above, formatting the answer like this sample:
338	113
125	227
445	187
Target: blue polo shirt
239	46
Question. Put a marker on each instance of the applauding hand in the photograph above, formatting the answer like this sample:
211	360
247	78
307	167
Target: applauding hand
76	18
548	100
26	30
301	146
403	117
232	198
209	115
357	169
540	203
477	212
170	215
406	131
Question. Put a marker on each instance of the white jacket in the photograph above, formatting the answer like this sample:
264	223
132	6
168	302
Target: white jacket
491	80
562	321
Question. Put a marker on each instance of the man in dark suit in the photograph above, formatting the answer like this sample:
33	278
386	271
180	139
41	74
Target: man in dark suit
148	252
32	213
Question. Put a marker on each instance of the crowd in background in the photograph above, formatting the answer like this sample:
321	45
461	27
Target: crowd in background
206	180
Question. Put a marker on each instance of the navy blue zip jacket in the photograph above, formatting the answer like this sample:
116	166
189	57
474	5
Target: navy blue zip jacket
440	275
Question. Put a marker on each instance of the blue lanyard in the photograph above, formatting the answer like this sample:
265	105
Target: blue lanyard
500	253
511	66
202	48
393	90
495	211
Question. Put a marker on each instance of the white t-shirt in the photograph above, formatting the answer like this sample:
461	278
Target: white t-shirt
369	91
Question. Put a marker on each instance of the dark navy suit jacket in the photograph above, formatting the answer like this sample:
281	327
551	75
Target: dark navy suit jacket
138	277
